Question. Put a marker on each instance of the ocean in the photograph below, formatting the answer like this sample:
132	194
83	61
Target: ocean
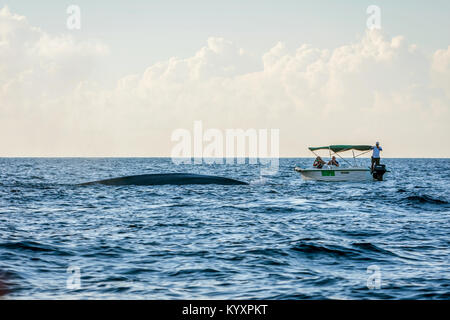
277	238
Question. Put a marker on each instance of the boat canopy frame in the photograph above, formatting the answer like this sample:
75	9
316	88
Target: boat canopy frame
336	149
343	147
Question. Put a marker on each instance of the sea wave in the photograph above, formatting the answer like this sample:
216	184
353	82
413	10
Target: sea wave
426	199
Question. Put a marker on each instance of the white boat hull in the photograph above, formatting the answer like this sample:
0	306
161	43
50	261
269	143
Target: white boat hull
329	173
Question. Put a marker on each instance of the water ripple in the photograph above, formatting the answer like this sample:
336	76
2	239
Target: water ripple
277	238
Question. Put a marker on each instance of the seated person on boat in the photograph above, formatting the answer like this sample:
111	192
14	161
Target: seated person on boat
318	163
333	162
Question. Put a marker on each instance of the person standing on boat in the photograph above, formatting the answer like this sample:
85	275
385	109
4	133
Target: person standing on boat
376	154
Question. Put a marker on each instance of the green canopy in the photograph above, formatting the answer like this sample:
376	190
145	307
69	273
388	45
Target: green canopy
343	147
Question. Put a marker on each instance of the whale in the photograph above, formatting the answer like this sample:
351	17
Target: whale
166	178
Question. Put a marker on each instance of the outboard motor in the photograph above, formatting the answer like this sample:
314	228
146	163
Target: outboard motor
378	172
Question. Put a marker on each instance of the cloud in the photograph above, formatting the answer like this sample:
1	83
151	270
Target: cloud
441	70
39	75
377	88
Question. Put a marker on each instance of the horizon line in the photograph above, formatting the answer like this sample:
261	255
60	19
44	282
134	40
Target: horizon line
168	157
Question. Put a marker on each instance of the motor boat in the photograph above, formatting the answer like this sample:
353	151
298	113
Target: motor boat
346	171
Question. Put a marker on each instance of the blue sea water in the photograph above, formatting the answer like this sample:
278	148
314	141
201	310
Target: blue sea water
277	238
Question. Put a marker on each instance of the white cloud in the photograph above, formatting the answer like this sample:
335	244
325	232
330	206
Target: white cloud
441	69
39	74
374	89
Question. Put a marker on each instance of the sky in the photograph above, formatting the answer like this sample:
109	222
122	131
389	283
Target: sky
136	71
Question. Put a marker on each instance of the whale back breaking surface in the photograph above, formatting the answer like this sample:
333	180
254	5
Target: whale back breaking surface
167	178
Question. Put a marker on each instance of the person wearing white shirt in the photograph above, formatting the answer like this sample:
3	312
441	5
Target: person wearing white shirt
376	155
